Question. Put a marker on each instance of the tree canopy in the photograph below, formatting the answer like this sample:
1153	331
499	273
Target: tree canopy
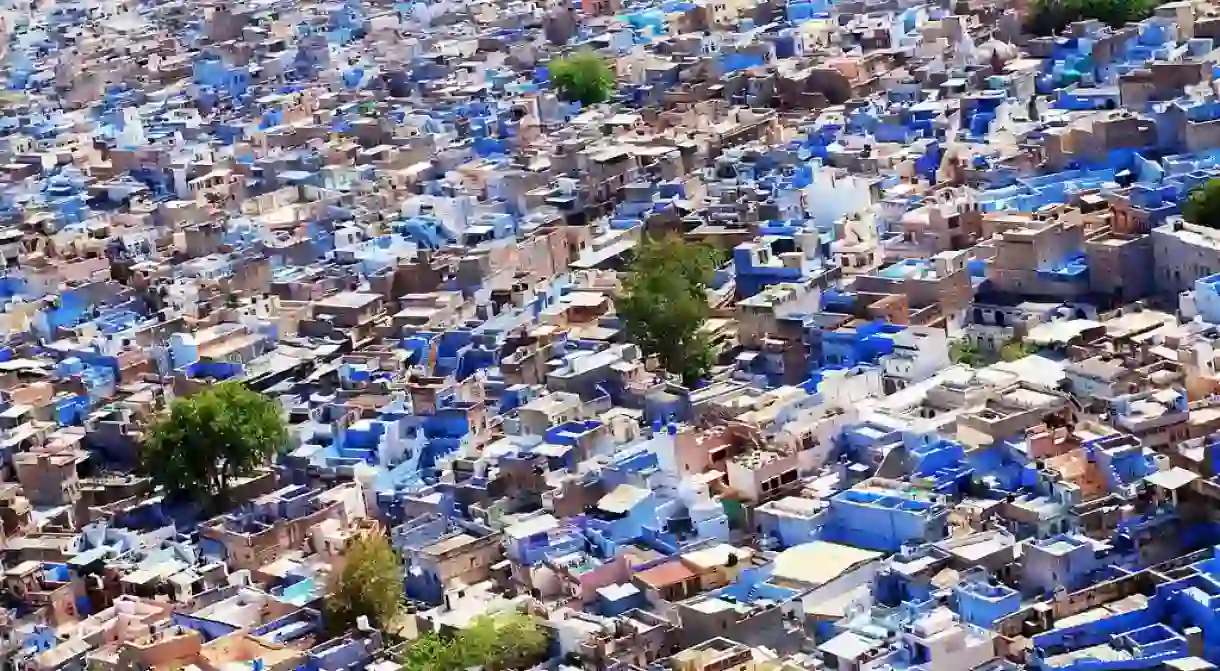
369	584
1049	17
664	304
584	77
1015	351
497	643
208	440
1202	207
964	353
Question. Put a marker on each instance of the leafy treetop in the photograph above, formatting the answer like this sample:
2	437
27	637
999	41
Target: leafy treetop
369	584
664	303
964	353
496	643
584	77
1202	207
1049	17
1015	351
208	440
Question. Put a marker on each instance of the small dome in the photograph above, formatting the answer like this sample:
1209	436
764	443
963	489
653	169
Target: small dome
999	49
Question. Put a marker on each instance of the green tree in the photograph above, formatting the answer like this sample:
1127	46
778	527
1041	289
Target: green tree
1202	207
1049	17
964	353
498	643
520	643
583	76
430	652
1015	351
664	304
208	440
369	584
